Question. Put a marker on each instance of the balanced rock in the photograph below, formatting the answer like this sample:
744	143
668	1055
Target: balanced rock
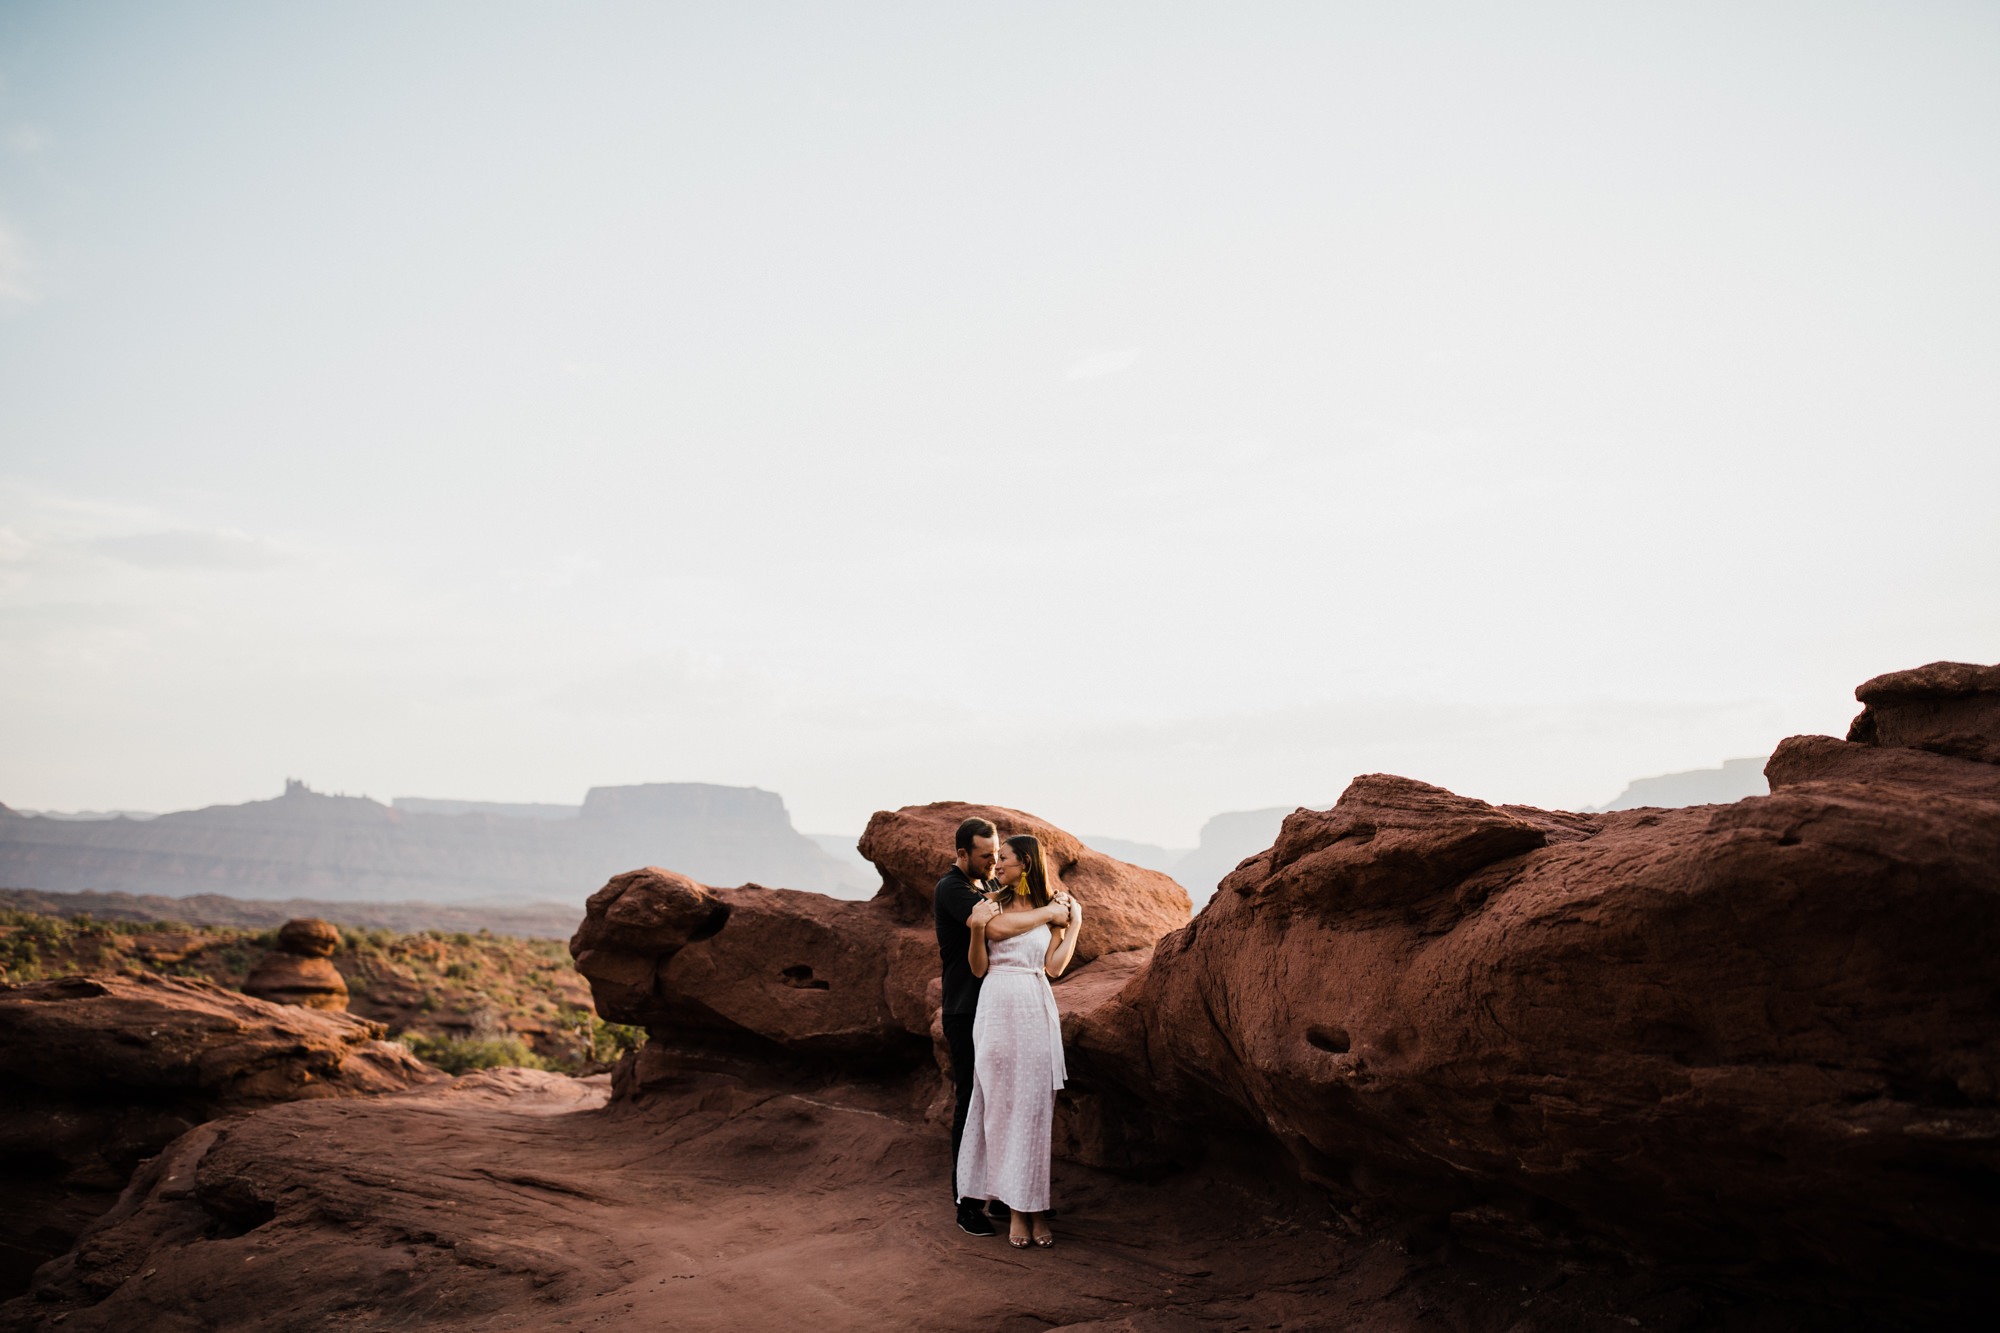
1126	906
300	970
309	937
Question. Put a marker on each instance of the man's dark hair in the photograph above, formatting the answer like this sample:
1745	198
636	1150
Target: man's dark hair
975	828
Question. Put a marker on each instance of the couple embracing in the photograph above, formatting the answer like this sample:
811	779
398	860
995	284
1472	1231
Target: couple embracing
1004	927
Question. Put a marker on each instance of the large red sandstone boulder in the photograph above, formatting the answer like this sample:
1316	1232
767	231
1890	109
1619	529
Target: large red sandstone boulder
755	972
99	1073
1126	906
1948	708
629	926
1727	1038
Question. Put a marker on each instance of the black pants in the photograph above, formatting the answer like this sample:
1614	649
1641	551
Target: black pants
958	1036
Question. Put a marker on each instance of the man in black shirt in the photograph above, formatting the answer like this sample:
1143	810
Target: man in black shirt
962	888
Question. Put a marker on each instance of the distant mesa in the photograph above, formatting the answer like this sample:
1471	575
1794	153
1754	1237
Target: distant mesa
1736	779
1150	855
419	805
307	844
1225	841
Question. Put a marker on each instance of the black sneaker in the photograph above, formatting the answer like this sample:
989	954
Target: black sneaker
972	1220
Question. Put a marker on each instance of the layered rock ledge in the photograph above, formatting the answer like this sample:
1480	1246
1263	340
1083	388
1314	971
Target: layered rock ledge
98	1074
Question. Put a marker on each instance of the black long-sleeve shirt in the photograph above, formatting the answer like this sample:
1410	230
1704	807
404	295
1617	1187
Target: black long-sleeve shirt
951	902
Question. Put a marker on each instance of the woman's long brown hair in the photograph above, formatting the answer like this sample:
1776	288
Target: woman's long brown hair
1035	875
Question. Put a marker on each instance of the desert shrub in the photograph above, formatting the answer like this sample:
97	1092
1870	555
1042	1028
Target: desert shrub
461	939
458	971
460	1055
600	1040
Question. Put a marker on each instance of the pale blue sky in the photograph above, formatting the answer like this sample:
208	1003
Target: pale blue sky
1125	412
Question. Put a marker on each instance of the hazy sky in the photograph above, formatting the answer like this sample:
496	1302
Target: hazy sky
1126	412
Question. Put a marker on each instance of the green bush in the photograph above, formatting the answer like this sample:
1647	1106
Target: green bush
600	1040
461	1055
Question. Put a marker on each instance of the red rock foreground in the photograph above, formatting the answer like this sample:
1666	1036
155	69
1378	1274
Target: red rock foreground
509	1201
98	1074
1426	1061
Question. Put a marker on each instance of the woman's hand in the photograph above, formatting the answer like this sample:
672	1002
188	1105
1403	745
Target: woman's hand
1062	946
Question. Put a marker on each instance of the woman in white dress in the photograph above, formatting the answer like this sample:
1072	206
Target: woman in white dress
1022	936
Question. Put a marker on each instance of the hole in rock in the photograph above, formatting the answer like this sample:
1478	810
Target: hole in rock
712	927
801	977
1329	1039
1789	840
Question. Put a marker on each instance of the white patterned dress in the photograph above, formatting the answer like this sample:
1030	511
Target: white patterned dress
1017	1067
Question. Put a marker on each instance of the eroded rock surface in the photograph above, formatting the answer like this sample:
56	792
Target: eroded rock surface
99	1073
758	972
1742	1039
512	1200
1948	708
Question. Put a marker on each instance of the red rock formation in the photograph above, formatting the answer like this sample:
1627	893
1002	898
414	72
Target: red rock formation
101	1072
1725	1038
1127	907
505	1200
1752	1043
1948	708
779	970
300	971
760	970
508	1200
